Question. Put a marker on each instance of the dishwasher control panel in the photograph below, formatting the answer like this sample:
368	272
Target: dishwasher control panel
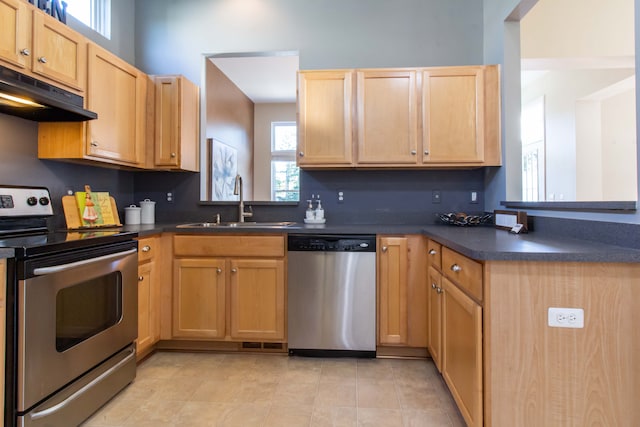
332	243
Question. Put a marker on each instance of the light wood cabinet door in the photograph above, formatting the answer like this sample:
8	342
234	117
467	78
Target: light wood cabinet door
392	291
199	298
147	308
257	299
117	93
177	123
59	53
462	351
453	115
325	118
15	34
435	317
402	291
387	117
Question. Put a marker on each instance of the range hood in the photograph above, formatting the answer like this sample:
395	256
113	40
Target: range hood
31	99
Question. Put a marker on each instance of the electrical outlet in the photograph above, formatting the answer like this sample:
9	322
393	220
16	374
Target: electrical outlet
340	196
436	196
474	197
170	197
559	317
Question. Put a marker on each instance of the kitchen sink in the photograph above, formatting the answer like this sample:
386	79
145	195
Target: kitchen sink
280	224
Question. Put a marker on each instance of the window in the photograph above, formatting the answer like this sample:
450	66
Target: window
95	14
285	175
533	156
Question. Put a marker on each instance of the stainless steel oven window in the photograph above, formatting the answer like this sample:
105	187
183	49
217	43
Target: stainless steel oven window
87	308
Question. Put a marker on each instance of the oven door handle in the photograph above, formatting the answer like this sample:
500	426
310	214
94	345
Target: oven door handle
74	396
64	267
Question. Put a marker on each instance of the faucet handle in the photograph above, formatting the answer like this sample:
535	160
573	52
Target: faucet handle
217	218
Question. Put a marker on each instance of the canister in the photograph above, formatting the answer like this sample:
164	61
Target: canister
148	215
132	215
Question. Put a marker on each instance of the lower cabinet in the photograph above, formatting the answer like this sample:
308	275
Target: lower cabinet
402	291
148	295
229	296
435	317
462	351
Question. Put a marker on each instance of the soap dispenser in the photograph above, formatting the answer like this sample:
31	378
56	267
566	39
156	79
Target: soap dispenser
310	214
319	211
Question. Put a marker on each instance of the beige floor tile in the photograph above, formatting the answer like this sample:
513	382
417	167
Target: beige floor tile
336	394
374	417
334	417
340	370
426	418
245	415
419	397
155	412
377	394
289	416
202	414
295	393
177	388
221	391
114	413
378	369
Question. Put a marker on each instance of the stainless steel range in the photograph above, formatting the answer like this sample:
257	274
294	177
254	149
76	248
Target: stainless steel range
71	314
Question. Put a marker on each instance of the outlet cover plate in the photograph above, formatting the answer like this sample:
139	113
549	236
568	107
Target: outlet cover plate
559	317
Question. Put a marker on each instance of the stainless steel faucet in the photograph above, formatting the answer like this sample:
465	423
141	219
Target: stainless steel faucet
237	190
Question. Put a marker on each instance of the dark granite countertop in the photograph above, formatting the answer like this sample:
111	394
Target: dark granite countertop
483	243
6	253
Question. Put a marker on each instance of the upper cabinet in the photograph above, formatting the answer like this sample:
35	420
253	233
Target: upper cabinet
36	44
403	118
176	124
325	118
116	91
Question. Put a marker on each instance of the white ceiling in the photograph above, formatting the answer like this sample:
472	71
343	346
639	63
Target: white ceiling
264	79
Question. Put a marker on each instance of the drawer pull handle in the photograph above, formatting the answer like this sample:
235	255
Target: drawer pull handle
432	252
42	60
384	249
301	154
456	268
414	152
234	270
25	52
426	152
140	278
173	155
146	248
439	290
94	143
433	286
218	270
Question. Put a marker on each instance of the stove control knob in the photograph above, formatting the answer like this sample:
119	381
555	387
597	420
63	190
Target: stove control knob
44	201
32	201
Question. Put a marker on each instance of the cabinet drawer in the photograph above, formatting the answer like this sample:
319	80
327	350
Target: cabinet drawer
465	272
434	254
229	245
147	248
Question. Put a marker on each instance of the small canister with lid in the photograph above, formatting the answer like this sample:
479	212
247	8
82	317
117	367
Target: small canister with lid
132	215
148	215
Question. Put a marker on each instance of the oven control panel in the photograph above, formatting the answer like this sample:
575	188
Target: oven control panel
25	201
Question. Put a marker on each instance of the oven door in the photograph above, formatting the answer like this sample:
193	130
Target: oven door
74	312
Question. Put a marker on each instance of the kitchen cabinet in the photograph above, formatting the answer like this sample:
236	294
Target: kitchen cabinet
116	91
401	118
229	287
3	325
402	294
326	118
148	295
454	115
387	107
36	44
456	327
175	145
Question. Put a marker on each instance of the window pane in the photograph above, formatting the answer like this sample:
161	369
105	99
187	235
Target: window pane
81	10
284	136
285	181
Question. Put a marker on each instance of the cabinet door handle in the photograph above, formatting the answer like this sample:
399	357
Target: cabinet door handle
433	286
25	52
439	290
432	252
414	152
218	270
140	278
42	60
301	154
426	152
234	270
146	248
384	249
456	268
93	143
173	155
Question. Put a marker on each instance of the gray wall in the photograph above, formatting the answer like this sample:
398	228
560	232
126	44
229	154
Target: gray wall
172	36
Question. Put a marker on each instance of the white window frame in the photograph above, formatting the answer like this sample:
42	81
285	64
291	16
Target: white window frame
280	155
100	17
534	153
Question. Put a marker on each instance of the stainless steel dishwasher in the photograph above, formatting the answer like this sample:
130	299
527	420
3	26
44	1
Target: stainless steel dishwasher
332	295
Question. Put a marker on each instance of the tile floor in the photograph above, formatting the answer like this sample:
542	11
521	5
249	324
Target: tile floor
211	389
